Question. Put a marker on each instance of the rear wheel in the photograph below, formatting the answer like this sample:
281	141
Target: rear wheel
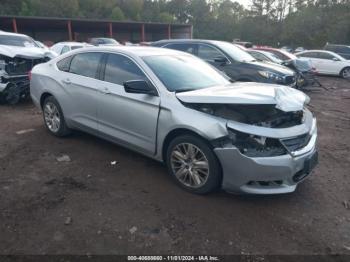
193	164
345	73
53	117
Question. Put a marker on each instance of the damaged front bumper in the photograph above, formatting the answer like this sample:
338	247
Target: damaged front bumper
14	79
273	174
17	83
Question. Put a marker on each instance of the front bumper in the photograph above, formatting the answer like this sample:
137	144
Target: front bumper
266	175
21	81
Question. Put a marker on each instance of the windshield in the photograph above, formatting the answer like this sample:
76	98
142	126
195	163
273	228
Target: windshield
184	73
14	40
235	52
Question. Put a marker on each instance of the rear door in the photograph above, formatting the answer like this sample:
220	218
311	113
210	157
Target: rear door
81	87
315	60
127	118
328	65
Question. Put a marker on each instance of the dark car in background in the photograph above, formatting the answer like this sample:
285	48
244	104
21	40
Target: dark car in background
342	50
233	61
103	41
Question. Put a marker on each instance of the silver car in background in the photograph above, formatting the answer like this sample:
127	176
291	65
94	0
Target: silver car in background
173	107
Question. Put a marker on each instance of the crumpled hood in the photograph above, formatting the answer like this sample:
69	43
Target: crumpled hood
285	98
25	52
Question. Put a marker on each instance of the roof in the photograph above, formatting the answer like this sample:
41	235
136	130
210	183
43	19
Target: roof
11	34
187	41
140	51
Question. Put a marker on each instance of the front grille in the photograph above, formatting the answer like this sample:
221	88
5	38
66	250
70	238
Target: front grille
21	66
289	80
296	143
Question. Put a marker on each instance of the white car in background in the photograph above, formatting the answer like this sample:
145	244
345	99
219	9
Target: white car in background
64	47
326	62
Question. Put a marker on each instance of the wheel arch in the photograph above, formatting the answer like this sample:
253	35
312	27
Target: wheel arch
43	97
342	70
178	132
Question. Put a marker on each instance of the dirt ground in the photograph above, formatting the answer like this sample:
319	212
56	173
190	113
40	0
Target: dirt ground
89	206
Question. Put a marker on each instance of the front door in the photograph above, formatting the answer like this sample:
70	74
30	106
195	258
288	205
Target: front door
127	118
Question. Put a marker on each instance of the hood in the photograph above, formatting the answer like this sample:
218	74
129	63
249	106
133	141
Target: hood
25	52
272	67
285	98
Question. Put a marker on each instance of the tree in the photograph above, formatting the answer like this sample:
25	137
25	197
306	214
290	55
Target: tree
117	14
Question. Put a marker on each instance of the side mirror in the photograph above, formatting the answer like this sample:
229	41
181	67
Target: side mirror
335	59
139	87
221	60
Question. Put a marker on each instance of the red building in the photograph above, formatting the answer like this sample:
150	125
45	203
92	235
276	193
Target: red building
47	29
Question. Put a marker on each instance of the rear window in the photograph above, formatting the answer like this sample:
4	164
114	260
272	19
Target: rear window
189	48
85	64
64	64
76	47
309	55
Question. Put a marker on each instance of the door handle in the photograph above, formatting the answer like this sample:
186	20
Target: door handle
67	81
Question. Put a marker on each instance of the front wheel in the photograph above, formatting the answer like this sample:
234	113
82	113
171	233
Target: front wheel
193	164
345	73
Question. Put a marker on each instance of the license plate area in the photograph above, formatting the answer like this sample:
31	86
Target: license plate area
309	165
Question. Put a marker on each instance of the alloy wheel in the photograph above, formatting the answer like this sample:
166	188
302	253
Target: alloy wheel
346	73
52	117
190	165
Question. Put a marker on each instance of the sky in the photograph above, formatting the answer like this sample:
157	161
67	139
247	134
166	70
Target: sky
246	3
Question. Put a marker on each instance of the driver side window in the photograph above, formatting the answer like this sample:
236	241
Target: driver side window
326	56
208	53
120	69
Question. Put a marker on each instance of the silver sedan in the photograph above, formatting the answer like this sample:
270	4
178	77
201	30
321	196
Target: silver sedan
173	107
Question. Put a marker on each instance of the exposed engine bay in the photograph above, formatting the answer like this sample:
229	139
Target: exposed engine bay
14	80
258	115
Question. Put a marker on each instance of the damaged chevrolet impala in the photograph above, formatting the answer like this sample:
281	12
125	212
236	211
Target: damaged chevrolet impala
18	54
171	106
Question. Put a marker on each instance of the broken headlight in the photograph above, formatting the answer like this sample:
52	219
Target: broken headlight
256	146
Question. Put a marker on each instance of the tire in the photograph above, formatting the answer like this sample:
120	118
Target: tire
345	73
54	118
200	174
12	94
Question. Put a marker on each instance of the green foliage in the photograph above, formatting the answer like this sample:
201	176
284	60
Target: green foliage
308	23
117	14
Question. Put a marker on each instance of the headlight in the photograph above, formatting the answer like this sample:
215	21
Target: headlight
256	146
272	76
